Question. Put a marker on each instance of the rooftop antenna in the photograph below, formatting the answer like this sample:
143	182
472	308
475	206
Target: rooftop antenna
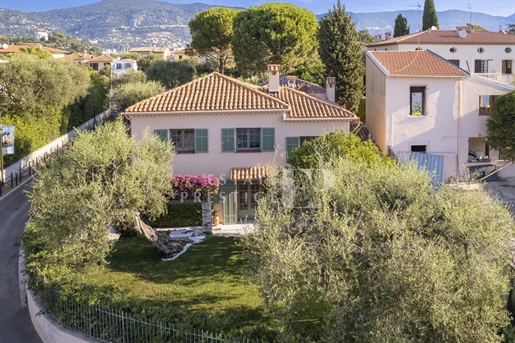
470	13
419	8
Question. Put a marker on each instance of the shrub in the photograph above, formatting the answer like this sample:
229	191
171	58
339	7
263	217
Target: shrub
180	215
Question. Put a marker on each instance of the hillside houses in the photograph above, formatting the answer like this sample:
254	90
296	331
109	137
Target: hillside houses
153	50
10	49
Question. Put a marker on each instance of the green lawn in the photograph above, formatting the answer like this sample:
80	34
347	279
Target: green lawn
209	277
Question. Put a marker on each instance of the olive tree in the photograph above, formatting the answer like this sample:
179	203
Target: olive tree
127	94
336	143
379	255
106	179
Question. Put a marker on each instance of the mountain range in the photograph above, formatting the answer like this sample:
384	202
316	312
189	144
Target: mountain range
122	24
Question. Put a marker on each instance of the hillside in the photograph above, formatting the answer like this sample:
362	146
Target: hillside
119	24
380	22
122	24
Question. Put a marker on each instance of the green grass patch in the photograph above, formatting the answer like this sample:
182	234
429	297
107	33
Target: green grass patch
208	279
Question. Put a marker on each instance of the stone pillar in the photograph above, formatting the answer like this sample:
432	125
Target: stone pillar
207	225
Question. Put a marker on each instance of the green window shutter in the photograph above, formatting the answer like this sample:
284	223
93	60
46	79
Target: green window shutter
228	140
291	143
162	134
201	144
268	139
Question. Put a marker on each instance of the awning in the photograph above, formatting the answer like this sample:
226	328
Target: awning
250	173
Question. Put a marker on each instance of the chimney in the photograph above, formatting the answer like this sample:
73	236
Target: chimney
330	87
378	38
291	81
273	78
388	35
470	28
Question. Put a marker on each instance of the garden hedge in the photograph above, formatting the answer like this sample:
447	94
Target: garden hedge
180	215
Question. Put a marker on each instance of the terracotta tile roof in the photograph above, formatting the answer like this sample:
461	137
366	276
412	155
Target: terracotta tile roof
103	58
250	173
76	56
15	48
54	51
149	49
307	106
299	84
214	92
416	63
449	37
179	52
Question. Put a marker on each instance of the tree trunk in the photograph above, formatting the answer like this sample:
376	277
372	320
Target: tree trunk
222	65
168	247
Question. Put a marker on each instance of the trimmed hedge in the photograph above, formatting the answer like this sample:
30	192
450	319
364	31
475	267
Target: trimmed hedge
180	215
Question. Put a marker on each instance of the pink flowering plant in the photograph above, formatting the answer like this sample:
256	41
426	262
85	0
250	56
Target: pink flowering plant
195	187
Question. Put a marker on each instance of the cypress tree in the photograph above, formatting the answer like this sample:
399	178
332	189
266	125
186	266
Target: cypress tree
401	26
430	18
340	51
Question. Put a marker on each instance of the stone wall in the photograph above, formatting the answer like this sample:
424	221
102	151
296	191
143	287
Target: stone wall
206	216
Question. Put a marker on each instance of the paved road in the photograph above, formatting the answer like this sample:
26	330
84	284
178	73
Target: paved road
15	324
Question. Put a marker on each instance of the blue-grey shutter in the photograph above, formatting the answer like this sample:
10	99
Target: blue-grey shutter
228	140
268	139
229	202
162	134
291	143
201	142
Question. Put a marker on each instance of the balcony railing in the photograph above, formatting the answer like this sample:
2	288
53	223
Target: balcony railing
500	77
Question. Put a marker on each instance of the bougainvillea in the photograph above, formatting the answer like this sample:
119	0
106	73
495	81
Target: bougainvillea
194	187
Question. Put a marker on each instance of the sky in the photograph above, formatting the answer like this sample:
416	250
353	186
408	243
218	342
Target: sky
493	7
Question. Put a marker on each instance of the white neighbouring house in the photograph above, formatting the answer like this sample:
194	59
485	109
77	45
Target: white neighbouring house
121	66
488	54
418	101
233	130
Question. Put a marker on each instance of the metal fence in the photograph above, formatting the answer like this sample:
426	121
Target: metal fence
107	325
